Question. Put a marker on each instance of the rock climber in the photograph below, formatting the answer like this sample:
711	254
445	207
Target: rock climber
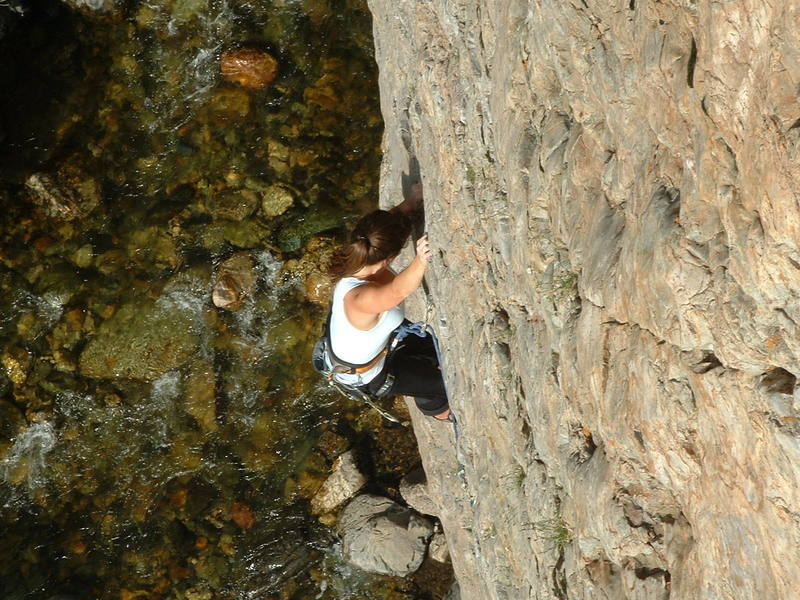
367	311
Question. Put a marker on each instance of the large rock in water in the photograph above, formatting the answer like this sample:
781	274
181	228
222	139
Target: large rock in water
380	536
612	196
143	340
344	482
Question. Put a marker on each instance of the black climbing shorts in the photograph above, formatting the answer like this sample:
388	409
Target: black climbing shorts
416	373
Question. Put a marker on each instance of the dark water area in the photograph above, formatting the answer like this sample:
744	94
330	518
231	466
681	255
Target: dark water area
152	444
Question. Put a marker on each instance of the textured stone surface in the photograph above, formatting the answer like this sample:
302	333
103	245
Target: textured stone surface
249	68
437	549
235	280
414	490
344	482
66	195
612	196
381	536
145	339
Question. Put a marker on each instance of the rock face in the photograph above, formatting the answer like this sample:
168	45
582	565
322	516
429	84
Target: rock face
612	196
381	536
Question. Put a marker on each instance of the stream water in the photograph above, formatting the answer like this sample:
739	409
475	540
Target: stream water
153	445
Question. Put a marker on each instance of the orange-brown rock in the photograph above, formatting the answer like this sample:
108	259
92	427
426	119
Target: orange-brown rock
252	69
242	515
235	280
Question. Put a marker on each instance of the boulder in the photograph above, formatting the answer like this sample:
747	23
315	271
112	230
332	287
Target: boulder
252	69
380	536
343	483
414	490
143	340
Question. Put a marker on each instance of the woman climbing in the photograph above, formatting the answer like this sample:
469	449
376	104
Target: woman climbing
367	312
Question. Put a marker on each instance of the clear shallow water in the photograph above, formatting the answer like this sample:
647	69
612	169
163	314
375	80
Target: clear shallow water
177	463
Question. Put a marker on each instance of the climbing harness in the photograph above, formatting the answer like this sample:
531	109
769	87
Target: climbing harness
329	365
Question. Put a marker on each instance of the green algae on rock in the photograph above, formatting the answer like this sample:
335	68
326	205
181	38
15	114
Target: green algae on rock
142	341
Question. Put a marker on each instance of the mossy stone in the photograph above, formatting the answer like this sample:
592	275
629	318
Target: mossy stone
275	201
233	205
83	256
143	340
294	236
200	396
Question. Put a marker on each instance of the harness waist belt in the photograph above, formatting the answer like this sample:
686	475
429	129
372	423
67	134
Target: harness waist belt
359	370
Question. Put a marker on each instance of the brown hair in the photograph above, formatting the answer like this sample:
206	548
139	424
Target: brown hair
377	236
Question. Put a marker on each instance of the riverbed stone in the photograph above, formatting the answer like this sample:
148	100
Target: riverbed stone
235	280
143	340
12	422
345	481
275	201
66	194
250	68
380	536
83	256
93	6
296	234
234	205
199	393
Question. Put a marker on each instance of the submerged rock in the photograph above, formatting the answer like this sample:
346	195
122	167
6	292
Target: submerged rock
12	423
311	268
229	104
236	279
252	69
234	205
200	395
293	236
275	201
344	483
92	6
142	340
67	194
380	536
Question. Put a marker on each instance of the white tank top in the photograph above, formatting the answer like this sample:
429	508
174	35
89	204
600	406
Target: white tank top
356	345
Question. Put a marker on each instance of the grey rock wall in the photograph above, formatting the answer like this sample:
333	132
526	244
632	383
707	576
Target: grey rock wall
612	195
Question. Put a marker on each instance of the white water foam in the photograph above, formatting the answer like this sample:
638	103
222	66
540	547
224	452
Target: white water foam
28	453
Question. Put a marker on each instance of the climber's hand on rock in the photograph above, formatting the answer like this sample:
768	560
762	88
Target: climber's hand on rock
423	249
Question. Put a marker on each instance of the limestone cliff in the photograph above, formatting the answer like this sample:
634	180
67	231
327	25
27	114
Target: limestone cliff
612	194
